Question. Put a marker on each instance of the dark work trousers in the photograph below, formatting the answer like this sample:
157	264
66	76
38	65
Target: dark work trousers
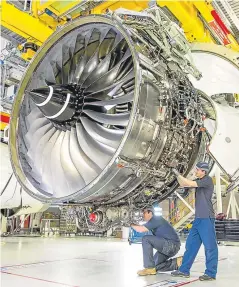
203	231
165	250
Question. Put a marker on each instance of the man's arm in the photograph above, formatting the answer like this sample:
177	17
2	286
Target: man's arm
139	228
183	181
150	225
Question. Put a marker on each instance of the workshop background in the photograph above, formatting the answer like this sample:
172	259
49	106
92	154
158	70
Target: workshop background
95	110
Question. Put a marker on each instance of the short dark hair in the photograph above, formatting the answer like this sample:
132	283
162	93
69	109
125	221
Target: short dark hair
149	209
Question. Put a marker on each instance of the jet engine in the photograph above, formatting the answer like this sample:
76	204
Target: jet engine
104	111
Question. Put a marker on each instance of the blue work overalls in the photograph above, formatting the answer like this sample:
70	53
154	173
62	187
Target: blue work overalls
203	231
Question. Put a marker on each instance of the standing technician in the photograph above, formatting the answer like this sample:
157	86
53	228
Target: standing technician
203	229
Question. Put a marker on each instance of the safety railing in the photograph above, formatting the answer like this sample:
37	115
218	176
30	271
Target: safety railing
181	210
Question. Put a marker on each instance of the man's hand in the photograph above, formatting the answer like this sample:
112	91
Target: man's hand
139	228
175	171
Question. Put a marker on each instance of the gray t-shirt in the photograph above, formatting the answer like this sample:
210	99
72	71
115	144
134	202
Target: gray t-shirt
161	228
204	191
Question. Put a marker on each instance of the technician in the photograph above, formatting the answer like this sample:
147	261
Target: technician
164	239
203	229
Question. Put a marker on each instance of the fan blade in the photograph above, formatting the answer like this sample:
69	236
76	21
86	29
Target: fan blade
100	70
115	90
92	43
98	153
66	63
36	138
58	74
38	158
37	124
89	67
120	52
119	100
101	134
83	60
90	58
110	119
40	80
73	177
78	52
108	42
87	169
125	69
106	94
112	89
128	84
34	114
109	78
46	178
79	69
50	76
59	183
95	68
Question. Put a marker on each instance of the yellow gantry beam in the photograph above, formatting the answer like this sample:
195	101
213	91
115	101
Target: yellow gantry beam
38	11
187	14
38	26
115	4
210	16
56	7
23	24
37	7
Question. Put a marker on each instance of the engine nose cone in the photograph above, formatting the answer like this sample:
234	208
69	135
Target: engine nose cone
57	103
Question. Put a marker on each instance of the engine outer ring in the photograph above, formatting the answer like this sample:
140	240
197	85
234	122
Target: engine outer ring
20	97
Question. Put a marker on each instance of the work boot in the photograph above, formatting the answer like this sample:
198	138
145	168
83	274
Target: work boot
205	277
179	261
147	271
180	274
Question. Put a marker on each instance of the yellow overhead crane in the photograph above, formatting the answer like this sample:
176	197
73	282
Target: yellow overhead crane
199	20
23	24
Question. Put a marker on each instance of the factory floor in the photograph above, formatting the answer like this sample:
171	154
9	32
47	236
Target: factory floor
92	262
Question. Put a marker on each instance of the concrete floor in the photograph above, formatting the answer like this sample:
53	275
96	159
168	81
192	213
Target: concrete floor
92	262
